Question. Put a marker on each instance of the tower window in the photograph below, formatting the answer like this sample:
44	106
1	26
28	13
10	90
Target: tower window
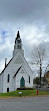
19	46
8	78
29	79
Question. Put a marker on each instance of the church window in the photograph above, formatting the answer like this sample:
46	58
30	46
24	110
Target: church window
8	89
8	79
29	79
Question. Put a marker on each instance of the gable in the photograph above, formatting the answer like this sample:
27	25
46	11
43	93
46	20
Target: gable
20	70
26	65
18	61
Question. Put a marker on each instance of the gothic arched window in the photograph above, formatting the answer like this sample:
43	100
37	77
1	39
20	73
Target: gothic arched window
8	89
29	79
8	78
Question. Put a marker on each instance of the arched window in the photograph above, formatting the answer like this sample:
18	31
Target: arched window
29	79
8	89
8	78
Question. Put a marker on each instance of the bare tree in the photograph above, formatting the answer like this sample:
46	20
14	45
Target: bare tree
39	55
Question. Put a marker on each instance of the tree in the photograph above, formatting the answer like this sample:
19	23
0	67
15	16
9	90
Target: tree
37	81
44	81
38	55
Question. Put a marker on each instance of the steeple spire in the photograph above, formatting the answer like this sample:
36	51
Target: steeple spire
18	35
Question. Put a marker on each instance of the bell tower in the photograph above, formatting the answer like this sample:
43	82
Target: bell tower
18	45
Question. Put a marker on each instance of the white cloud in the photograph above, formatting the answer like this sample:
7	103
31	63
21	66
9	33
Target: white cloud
31	17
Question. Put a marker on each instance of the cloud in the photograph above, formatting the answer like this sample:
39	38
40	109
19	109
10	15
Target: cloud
31	17
29	10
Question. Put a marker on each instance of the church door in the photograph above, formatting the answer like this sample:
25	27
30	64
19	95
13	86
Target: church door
22	82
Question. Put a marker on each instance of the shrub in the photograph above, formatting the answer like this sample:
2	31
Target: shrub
25	88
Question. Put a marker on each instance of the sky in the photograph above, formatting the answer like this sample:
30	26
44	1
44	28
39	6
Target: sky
31	18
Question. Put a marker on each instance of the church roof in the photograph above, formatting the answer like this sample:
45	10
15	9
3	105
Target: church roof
6	66
17	72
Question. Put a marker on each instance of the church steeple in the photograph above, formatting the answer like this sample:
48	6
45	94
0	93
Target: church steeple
17	37
18	44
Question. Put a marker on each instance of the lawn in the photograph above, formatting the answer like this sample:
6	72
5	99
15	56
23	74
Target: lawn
25	93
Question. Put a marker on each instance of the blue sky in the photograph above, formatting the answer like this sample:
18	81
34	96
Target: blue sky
31	17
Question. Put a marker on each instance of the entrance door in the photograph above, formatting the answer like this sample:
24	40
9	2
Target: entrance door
22	82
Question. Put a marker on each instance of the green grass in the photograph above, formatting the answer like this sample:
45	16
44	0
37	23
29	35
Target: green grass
25	93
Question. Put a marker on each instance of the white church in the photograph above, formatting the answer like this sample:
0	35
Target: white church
17	72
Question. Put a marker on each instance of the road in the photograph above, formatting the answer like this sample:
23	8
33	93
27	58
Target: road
25	104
